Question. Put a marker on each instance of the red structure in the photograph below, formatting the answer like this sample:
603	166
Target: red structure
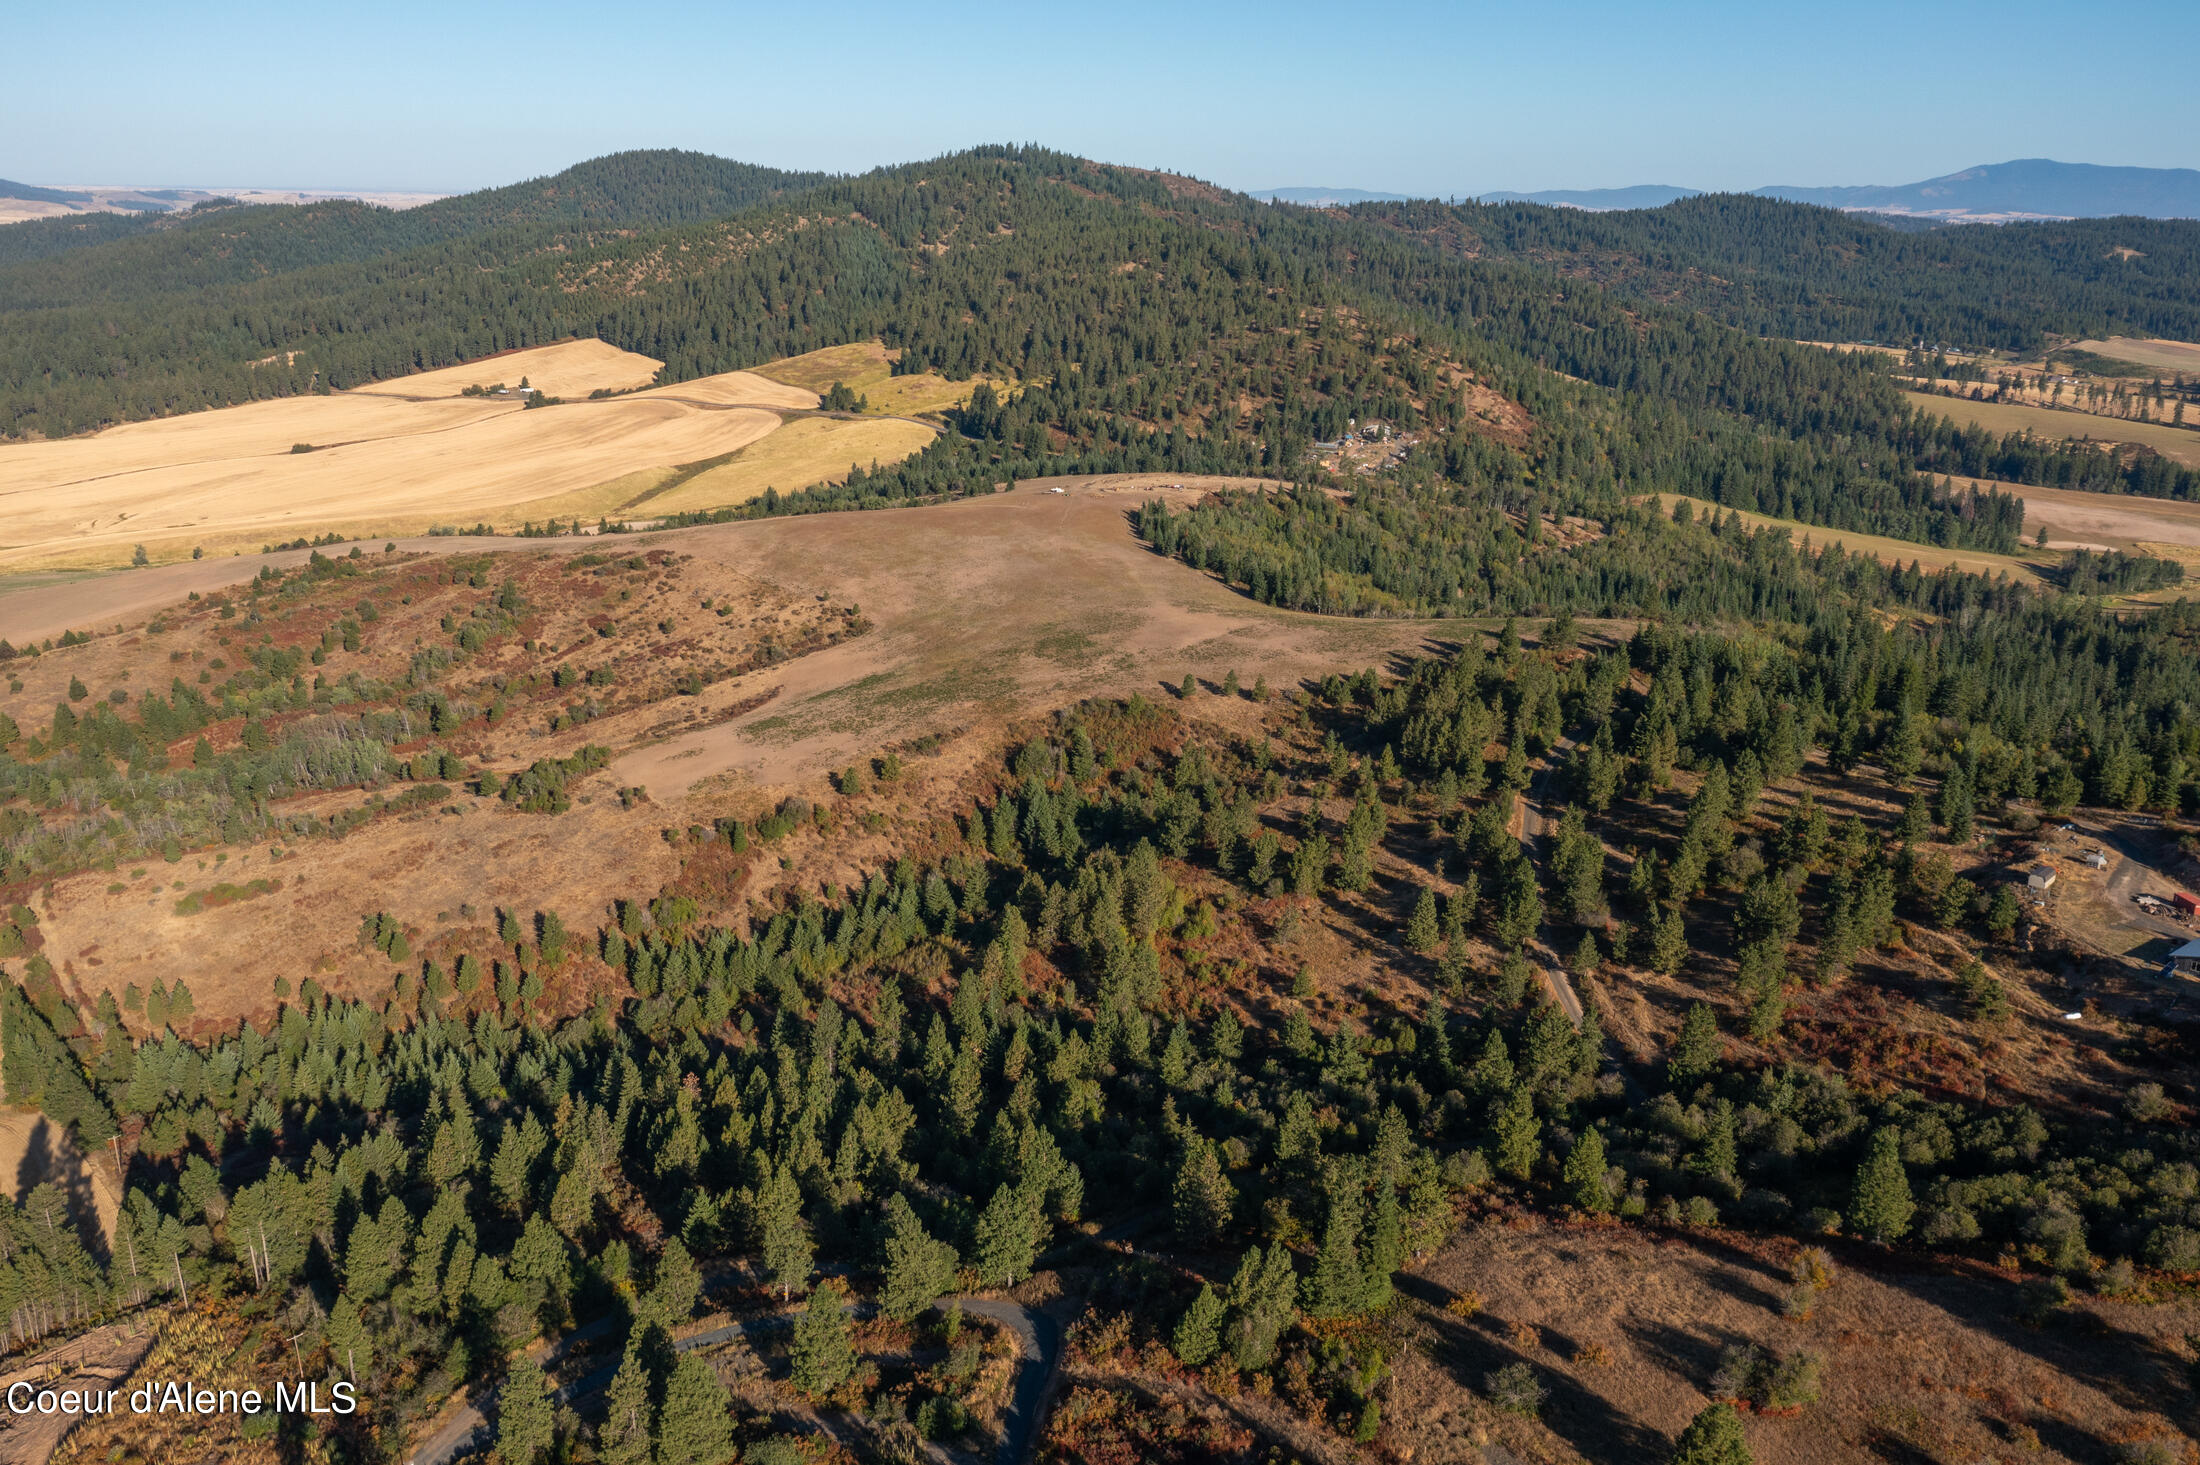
2186	905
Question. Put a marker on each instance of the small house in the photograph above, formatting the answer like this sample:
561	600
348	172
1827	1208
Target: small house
2095	859
2185	960
2041	878
2185	905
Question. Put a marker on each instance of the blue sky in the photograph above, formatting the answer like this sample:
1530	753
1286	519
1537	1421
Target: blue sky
1404	97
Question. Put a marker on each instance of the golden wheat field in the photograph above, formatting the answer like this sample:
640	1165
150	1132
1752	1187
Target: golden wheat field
406	455
866	368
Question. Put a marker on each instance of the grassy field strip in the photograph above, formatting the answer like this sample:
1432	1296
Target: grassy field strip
2170	356
2179	444
1888	551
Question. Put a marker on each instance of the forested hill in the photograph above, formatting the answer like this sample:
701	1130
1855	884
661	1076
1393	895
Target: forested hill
78	261
1803	272
1167	325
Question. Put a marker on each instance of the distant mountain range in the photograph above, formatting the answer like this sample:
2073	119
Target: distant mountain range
1640	196
22	201
2028	188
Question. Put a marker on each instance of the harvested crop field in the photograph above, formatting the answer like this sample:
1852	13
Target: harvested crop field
2168	356
866	368
378	462
2076	519
2179	444
567	369
805	452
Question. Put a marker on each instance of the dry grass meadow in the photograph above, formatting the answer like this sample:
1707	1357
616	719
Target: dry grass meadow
1624	1330
977	614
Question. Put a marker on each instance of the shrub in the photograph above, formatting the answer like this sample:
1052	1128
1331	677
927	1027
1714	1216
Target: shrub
1515	1389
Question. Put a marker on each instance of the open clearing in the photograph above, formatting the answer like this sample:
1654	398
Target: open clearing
1887	551
981	612
2167	355
1625	1329
808	451
867	369
2181	445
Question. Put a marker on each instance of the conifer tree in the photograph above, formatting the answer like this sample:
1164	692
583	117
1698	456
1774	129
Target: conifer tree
695	1426
526	1423
1519	1135
1006	1246
1263	1297
1880	1205
1668	942
1713	1437
1585	1167
1423	932
919	1269
1199	1331
823	1356
624	1437
1203	1195
1696	1051
678	1283
1386	1247
783	1236
1338	1283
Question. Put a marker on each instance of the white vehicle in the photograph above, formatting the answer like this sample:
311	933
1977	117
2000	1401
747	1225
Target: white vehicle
1057	490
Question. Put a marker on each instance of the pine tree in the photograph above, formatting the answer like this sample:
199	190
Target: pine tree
624	1436
919	1270
1716	1158
1668	942
1585	1172
526	1422
1713	1437
1202	1197
1006	1247
678	1283
1199	1331
1519	1135
1338	1282
1423	933
1262	1300
823	1356
696	1425
1386	1247
783	1236
1879	1204
1696	1051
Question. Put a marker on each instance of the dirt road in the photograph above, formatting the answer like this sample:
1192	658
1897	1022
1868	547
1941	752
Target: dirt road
1535	828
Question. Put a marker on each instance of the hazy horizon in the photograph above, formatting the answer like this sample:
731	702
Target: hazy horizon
1407	97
